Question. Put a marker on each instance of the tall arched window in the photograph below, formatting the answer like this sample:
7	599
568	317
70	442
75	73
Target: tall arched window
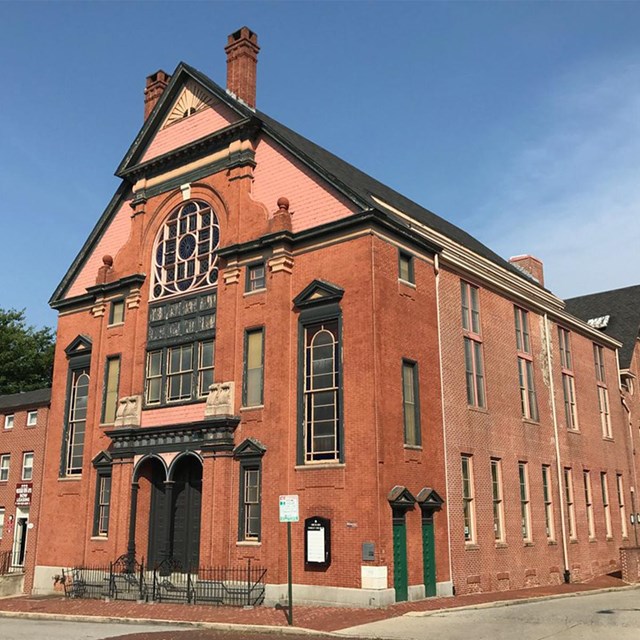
77	421
184	256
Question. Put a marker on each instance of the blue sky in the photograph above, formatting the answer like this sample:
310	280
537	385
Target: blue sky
517	121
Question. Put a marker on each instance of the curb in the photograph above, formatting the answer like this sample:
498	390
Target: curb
216	626
510	603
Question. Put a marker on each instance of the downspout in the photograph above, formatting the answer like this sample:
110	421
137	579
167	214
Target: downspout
632	456
436	269
563	526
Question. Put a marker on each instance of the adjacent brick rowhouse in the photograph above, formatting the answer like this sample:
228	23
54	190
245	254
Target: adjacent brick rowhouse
322	231
22	524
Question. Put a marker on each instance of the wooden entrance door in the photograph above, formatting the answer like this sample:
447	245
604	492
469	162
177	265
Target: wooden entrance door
185	511
400	574
429	557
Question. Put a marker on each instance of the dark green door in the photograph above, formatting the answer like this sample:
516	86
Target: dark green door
185	512
400	576
429	557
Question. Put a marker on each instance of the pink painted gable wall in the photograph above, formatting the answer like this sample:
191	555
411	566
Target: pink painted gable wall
189	129
111	242
313	202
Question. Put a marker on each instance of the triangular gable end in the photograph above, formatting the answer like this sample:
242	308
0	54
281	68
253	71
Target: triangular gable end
249	448
318	292
102	459
429	499
79	345
401	498
188	89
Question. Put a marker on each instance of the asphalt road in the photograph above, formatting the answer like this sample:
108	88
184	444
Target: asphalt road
605	616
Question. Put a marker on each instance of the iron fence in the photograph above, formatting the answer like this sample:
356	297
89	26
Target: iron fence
126	579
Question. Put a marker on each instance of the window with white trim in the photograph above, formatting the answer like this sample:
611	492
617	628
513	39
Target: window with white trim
571	507
568	381
621	505
547	496
468	500
76	421
9	420
528	399
588	500
603	392
103	507
498	506
474	365
604	487
525	502
32	418
27	466
5	460
250	505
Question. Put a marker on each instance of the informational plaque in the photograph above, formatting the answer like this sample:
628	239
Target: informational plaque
317	542
289	511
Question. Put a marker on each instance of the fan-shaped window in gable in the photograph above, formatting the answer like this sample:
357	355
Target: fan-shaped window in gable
185	256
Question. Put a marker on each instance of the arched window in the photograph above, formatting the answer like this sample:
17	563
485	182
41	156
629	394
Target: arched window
185	257
77	421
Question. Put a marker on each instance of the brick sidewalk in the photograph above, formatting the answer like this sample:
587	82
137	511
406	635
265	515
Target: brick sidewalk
314	618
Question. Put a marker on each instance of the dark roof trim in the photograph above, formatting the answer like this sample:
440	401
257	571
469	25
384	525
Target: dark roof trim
371	218
116	285
25	400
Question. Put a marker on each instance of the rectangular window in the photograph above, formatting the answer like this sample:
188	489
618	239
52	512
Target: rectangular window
256	279
603	407
179	373
568	382
8	421
605	504
474	366
321	422
250	500
411	405
588	499
498	509
4	467
405	267
571	509
468	504
154	377
528	399
103	504
32	418
1	522
525	505
564	338
116	312
621	507
206	354
598	361
548	502
27	466
110	394
253	368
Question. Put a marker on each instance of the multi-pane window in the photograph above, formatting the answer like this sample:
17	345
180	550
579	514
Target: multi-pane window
498	508
605	504
77	421
185	251
184	376
603	393
525	504
621	505
4	467
321	386
411	406
27	466
110	396
116	312
474	366
548	502
528	400
32	418
588	499
250	503
8	421
103	506
468	499
568	381
571	508
256	279
253	368
405	267
1	522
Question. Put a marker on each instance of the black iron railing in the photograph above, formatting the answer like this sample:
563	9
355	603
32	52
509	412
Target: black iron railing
170	581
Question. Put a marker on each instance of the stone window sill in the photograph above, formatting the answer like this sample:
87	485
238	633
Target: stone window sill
320	465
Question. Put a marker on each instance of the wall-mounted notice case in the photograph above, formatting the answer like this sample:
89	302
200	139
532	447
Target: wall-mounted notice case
317	542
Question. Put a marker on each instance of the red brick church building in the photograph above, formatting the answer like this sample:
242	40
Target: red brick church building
252	317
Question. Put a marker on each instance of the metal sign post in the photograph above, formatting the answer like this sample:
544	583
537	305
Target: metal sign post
289	513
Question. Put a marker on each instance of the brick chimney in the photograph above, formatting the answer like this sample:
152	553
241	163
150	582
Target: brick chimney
242	60
531	265
156	84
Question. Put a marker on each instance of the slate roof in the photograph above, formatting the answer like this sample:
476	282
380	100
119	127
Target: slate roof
25	400
623	307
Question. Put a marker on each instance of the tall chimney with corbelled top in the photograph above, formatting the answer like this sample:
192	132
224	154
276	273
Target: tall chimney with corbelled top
242	61
156	84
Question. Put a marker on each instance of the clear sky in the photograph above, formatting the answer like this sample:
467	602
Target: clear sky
517	121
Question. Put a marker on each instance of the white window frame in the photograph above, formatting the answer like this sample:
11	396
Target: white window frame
547	496
9	421
32	414
525	501
621	505
468	500
588	499
5	466
499	533
604	487
27	470
570	500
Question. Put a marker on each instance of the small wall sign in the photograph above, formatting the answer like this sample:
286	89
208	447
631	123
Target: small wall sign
289	511
23	494
317	542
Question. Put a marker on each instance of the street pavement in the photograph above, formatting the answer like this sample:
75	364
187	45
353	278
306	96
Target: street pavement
604	616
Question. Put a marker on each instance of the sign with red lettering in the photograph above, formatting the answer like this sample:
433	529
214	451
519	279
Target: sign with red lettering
23	494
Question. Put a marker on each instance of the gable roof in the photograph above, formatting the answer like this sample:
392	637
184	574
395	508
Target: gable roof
356	185
623	308
26	399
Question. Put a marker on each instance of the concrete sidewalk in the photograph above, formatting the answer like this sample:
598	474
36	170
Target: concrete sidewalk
323	619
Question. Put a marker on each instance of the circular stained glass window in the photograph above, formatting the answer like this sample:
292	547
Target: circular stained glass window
185	254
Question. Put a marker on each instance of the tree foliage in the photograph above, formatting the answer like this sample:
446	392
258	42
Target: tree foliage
26	354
